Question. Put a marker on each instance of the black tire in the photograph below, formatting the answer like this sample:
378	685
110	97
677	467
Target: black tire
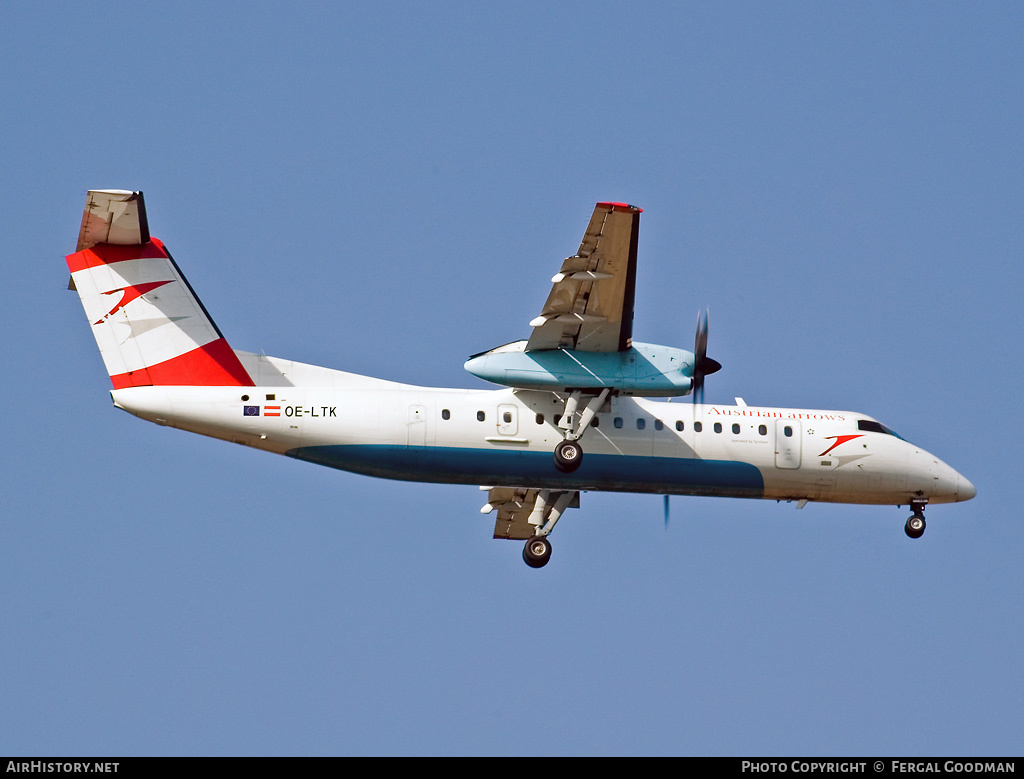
537	552
568	456
915	526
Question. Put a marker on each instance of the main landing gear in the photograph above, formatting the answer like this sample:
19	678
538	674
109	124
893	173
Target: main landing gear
548	508
915	524
537	552
569	453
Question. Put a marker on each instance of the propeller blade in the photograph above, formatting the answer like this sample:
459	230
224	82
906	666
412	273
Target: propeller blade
703	365
700	340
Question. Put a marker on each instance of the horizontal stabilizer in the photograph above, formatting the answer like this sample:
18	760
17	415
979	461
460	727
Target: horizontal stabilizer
113	216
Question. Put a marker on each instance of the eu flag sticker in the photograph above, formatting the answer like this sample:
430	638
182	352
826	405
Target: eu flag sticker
250	411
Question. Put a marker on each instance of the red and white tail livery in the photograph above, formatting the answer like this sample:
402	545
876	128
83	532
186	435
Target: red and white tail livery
150	326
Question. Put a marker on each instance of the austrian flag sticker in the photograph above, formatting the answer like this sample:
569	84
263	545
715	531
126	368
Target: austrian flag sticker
254	411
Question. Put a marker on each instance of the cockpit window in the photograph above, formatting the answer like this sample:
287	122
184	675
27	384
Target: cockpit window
870	426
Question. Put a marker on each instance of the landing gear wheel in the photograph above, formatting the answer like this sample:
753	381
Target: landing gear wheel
537	552
568	456
915	526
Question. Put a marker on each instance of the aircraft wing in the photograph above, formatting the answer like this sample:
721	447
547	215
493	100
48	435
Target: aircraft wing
590	307
515	507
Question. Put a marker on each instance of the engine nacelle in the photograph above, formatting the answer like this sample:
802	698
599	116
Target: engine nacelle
643	369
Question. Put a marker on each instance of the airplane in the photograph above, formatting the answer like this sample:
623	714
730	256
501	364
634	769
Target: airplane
579	377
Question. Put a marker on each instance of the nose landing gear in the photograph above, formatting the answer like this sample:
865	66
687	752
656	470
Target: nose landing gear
915	524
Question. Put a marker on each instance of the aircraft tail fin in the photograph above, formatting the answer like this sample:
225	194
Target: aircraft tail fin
148	323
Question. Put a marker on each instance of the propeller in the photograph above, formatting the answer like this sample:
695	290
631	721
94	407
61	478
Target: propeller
703	365
666	512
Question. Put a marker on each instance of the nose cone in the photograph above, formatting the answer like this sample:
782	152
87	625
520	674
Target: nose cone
946	485
965	490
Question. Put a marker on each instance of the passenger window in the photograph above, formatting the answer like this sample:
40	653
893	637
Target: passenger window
679	425
480	416
617	422
641	423
540	419
762	429
788	431
718	427
735	429
697	427
506	417
658	424
446	414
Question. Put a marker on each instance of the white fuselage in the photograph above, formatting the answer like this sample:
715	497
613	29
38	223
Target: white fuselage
505	438
170	364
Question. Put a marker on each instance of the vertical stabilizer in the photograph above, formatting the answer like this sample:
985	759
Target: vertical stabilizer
150	326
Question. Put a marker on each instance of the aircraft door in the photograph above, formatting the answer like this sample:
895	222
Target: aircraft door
787	443
508	419
416	426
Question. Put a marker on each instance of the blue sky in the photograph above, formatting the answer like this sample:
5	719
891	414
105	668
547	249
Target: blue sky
387	189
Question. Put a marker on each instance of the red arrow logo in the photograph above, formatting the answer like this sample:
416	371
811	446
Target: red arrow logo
130	294
840	439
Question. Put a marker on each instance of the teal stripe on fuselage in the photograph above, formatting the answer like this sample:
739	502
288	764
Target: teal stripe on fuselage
493	467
